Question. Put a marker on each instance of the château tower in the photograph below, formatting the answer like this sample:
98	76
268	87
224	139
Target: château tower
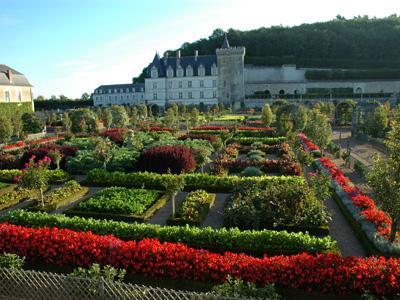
230	61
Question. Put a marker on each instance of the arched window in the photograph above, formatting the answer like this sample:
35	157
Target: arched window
214	70
358	90
179	72
281	92
170	72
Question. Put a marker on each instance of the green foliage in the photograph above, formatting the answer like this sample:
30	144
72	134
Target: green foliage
195	206
11	261
119	116
119	200
66	121
320	184
193	181
16	196
252	171
344	112
55	176
62	104
318	128
264	140
257	242
83	121
378	123
107	272
239	289
107	117
6	129
31	123
267	115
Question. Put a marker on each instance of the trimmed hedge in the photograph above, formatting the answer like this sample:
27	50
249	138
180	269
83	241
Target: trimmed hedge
56	176
9	110
14	197
194	181
219	240
264	140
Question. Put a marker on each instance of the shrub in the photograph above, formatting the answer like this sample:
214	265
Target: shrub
252	171
119	200
107	272
257	242
9	161
195	206
199	136
12	261
163	159
319	273
264	140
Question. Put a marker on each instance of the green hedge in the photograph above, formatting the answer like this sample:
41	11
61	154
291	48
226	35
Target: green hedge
65	104
56	176
11	109
194	181
14	197
219	240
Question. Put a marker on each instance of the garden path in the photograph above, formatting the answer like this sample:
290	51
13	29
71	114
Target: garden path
341	231
92	191
214	217
16	206
163	214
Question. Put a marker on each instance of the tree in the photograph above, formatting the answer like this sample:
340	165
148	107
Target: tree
267	115
84	120
143	111
85	97
119	116
31	123
56	157
173	184
378	123
318	128
107	118
17	125
384	177
169	117
36	176
134	117
194	117
103	151
63	98
6	129
66	121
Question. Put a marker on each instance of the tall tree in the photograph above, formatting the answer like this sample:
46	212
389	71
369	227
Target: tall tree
267	115
384	178
318	128
6	129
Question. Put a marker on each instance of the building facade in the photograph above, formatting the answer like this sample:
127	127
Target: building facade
119	94
14	87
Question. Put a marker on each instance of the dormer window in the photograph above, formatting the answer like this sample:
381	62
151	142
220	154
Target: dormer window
170	72
201	71
189	71
214	70
154	72
179	72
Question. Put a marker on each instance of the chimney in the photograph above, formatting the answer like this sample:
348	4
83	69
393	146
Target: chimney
10	75
196	54
165	58
178	54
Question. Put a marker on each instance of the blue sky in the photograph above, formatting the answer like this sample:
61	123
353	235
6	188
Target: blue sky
72	46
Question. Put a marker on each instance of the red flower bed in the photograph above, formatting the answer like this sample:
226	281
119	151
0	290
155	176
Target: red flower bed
322	273
160	129
21	144
160	159
199	136
308	145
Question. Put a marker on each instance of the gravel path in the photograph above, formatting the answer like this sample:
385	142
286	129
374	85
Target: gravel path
341	231
163	214
214	217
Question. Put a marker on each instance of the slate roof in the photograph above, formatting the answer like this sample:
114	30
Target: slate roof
130	86
18	79
206	60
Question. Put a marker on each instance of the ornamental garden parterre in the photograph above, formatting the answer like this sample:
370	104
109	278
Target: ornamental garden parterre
240	203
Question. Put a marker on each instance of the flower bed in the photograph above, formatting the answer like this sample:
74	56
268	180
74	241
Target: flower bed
199	136
14	197
45	150
62	196
21	144
264	140
115	134
219	240
210	128
121	204
163	159
194	181
193	209
367	219
160	129
322	272
56	176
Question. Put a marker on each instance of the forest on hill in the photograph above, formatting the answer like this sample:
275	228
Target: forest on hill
358	43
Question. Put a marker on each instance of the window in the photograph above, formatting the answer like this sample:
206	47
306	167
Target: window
180	95
127	90
170	84
154	73
201	71
154	85
201	95
201	83
109	91
115	90
214	70
189	71
190	83
179	72
121	90
214	83
155	96
19	97
170	72
109	98
7	95
190	95
214	94
180	84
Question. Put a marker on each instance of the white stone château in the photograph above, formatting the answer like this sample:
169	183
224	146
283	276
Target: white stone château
119	94
224	78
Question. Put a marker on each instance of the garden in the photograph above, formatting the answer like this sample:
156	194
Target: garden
238	203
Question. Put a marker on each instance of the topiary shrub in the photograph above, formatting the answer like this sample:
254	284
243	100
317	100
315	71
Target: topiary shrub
252	171
256	152
255	157
164	159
